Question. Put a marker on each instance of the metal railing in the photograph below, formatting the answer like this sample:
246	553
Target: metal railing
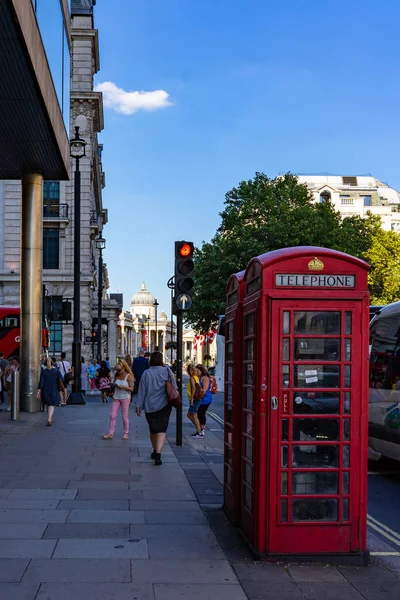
55	210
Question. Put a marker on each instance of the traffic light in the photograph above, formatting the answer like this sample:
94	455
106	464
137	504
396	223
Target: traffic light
184	271
94	336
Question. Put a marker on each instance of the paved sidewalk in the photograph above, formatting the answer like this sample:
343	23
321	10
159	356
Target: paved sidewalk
84	518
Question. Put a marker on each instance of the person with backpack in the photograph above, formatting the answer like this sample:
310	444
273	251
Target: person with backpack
195	394
65	370
206	385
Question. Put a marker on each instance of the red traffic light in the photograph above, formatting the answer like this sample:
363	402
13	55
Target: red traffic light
185	249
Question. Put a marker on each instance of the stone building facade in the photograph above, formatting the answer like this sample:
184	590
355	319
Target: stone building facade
58	211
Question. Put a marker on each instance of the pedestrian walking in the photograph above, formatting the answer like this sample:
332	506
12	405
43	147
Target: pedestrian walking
3	366
92	370
152	398
123	382
103	381
7	376
194	392
65	369
84	376
50	386
139	366
63	391
205	384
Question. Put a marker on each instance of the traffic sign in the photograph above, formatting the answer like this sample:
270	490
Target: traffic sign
183	302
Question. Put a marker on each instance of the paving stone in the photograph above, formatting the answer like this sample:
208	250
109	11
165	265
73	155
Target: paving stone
111	477
95	591
49	477
98	548
273	590
22	530
12	569
25	484
315	573
196	533
46	494
174	571
98	485
185	548
94	504
190	517
170	493
379	589
333	591
87	530
366	574
23	548
18	591
4	493
29	504
60	570
33	516
164	505
106	516
260	572
199	592
106	494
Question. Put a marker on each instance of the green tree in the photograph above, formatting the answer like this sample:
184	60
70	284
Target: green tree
261	215
384	258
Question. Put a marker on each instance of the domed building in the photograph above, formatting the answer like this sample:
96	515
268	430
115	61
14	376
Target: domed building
143	303
151	329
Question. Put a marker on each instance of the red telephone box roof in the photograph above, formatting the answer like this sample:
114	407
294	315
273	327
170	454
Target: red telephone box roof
270	258
234	281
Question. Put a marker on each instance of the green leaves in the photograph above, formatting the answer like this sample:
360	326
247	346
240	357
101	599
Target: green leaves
265	214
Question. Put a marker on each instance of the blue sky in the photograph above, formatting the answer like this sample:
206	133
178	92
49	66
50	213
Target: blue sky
296	85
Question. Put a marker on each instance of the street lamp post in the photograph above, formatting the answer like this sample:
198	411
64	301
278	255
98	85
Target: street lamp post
148	332
100	245
156	305
78	151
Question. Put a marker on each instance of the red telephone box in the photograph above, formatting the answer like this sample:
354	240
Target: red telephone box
304	426
233	389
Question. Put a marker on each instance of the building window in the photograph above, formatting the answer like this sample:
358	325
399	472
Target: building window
51	190
325	196
56	329
346	201
51	248
349	180
367	200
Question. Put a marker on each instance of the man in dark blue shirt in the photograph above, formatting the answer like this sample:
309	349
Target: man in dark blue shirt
139	366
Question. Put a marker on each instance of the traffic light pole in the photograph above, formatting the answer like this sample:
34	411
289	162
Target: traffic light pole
179	339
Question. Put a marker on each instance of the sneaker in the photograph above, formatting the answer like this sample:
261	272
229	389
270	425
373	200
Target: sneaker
197	435
202	432
9	409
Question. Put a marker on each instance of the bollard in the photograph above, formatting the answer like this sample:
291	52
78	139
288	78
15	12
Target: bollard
14	415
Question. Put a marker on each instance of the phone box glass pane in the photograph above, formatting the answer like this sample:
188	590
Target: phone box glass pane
317	403
315	483
318	456
316	349
315	509
315	430
317	322
316	376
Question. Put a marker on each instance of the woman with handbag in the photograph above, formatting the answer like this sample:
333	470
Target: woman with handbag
50	386
206	385
156	395
103	380
195	394
123	386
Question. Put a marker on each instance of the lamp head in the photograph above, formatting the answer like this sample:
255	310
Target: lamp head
100	243
78	145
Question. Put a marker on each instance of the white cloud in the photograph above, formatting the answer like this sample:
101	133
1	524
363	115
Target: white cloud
128	103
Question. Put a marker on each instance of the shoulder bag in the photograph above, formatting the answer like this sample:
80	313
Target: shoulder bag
173	395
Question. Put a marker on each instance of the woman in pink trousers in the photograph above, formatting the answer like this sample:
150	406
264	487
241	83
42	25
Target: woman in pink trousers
123	382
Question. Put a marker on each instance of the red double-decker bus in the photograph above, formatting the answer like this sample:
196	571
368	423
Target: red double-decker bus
10	331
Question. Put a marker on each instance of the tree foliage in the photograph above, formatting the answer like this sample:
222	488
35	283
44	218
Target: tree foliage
384	258
261	215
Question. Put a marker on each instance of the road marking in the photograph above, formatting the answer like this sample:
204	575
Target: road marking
385	553
382	532
385	527
216	418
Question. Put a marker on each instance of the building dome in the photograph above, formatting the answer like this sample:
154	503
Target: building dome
143	298
163	316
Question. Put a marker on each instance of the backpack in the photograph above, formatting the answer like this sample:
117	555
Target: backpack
198	393
67	378
214	386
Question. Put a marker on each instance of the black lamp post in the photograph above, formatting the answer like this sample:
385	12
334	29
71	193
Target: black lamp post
156	305
78	151
100	245
148	332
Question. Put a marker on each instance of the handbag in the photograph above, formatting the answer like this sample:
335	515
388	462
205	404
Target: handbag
173	395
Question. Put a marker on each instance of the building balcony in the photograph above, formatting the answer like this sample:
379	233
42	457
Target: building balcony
54	211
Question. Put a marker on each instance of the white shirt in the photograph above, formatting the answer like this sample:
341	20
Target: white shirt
64	367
